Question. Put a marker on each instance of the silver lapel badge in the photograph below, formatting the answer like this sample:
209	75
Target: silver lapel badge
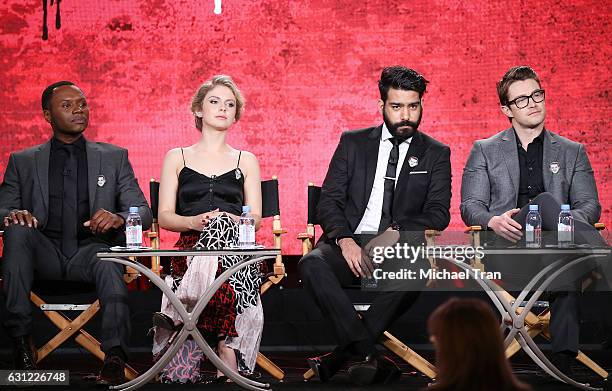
413	161
101	180
554	167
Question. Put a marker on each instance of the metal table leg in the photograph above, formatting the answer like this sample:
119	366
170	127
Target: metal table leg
189	327
516	321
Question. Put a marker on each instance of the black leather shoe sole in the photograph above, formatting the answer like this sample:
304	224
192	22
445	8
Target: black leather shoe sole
388	376
362	374
112	372
379	371
24	354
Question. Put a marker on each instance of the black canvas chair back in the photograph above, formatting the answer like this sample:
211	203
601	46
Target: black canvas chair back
314	194
154	194
269	198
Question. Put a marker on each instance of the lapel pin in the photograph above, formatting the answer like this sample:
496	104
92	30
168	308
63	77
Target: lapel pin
413	161
238	174
101	180
554	167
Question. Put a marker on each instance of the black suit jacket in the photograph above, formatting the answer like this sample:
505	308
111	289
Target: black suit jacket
421	200
26	184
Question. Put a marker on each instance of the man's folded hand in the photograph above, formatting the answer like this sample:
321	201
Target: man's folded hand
21	217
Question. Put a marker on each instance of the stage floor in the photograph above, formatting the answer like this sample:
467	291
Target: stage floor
83	368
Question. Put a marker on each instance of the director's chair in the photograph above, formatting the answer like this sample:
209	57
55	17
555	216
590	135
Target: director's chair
536	324
388	340
69	327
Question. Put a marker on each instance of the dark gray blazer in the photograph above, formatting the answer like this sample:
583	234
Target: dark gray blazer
491	178
26	182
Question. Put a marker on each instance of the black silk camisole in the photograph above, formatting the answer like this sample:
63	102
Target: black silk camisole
199	193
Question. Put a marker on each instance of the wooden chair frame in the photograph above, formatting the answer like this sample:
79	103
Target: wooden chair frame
388	340
74	327
536	324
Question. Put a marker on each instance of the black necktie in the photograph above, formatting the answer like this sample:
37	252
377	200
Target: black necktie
386	217
69	203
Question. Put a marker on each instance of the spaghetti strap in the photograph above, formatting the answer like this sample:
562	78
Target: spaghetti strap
239	154
184	164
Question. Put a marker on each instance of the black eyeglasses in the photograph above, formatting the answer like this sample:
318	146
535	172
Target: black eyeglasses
523	101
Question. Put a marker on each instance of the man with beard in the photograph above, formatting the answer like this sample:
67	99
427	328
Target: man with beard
384	179
61	202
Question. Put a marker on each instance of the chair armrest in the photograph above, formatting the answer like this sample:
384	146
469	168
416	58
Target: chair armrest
473	228
432	232
598	226
307	242
279	231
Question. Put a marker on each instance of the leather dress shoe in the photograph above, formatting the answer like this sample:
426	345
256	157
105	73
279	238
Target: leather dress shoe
325	366
24	353
113	371
374	370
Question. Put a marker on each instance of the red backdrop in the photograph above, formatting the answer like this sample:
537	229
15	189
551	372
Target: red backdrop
308	71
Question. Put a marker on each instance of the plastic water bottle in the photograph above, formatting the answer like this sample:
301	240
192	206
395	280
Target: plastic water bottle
533	228
565	227
246	228
133	229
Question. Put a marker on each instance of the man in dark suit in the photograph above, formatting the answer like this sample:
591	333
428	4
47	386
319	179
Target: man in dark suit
61	202
524	165
383	179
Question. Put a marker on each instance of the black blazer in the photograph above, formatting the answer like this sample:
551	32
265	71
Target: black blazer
26	183
421	201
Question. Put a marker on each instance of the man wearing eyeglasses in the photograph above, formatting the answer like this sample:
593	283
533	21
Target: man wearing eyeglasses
524	165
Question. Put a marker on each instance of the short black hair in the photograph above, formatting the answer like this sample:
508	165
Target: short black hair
401	78
48	92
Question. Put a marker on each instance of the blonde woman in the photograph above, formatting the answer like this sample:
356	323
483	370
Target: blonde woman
202	190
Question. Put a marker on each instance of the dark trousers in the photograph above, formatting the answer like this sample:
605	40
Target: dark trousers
29	255
324	272
564	305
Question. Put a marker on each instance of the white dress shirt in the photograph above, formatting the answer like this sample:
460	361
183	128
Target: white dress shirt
371	218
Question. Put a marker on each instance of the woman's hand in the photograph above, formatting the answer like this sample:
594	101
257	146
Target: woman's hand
198	222
234	217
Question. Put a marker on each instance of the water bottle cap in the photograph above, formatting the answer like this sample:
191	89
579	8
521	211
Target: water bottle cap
133	209
565	207
533	207
246	209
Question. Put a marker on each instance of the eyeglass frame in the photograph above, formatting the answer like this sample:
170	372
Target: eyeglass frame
528	97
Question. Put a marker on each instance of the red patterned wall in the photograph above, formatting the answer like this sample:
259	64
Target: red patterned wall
308	70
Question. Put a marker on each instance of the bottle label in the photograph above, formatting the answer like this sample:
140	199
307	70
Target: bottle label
564	232
133	235
529	234
246	234
533	236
